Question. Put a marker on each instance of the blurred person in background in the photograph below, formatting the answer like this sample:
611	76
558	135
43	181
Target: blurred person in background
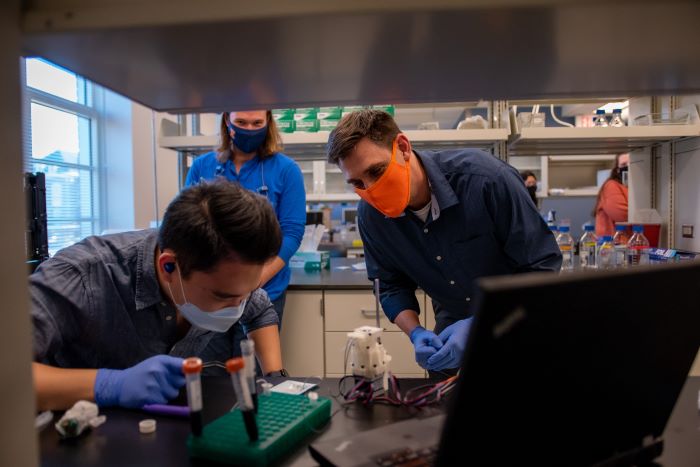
530	181
611	204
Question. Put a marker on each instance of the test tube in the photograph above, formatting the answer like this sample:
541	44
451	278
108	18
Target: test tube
240	386
248	352
192	368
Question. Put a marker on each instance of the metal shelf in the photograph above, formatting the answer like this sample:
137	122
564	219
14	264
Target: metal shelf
569	192
332	197
596	140
313	145
583	158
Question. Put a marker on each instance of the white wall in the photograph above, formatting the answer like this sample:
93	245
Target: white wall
127	162
150	189
18	440
116	151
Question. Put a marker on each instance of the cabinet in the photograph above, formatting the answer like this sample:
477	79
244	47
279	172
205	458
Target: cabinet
403	364
347	310
302	333
316	324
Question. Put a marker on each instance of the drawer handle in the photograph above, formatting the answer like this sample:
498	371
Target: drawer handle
369	313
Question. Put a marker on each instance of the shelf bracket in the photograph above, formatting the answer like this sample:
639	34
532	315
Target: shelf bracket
498	116
671	230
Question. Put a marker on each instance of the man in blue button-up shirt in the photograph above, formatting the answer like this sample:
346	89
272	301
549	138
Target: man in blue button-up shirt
113	316
436	220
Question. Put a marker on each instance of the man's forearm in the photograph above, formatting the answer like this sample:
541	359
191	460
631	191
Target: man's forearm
60	388
267	348
407	320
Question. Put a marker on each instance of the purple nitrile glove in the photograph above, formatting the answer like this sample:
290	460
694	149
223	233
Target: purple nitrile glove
153	381
426	344
454	337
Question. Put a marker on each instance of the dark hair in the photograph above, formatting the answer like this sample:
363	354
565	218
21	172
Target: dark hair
527	173
614	175
376	125
211	221
271	145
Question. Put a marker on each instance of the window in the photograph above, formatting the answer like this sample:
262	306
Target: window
61	125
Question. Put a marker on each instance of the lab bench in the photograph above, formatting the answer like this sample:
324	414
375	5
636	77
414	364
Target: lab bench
119	443
323	306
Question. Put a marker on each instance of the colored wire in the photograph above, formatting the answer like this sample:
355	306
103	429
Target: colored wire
365	392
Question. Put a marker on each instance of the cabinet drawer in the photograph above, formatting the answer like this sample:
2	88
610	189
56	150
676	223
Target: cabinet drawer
398	375
397	344
347	310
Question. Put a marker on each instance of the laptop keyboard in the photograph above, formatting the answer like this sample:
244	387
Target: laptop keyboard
408	457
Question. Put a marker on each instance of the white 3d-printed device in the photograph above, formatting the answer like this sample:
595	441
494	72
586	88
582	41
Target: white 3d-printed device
367	356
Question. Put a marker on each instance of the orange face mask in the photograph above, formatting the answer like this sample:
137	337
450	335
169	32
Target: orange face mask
391	192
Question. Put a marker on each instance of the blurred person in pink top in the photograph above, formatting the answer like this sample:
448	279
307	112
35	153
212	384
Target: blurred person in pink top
611	204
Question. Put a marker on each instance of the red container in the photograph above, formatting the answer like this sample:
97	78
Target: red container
651	231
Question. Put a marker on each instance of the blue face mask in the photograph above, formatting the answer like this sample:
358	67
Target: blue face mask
217	321
247	140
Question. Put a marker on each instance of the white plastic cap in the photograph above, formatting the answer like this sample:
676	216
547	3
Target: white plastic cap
147	426
267	388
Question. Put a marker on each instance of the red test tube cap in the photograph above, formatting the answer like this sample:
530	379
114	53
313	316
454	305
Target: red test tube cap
234	364
192	365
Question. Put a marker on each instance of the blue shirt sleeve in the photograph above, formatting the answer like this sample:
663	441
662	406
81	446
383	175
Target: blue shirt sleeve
520	229
59	302
397	292
193	174
292	212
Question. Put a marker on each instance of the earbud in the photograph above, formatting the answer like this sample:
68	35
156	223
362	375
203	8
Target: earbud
169	267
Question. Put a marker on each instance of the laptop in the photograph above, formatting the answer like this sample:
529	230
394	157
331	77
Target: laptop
579	369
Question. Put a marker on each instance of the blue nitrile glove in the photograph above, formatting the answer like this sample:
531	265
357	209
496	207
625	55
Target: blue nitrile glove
155	380
454	337
426	344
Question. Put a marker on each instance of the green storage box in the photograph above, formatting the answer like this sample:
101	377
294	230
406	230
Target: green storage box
328	124
351	108
388	108
285	120
330	113
306	119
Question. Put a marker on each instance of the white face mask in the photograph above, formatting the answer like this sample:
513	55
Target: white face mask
217	321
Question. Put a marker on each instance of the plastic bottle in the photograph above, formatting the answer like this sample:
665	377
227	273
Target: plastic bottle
600	118
620	242
587	247
606	253
638	247
566	245
616	120
554	229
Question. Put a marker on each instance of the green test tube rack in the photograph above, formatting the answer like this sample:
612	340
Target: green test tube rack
284	421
